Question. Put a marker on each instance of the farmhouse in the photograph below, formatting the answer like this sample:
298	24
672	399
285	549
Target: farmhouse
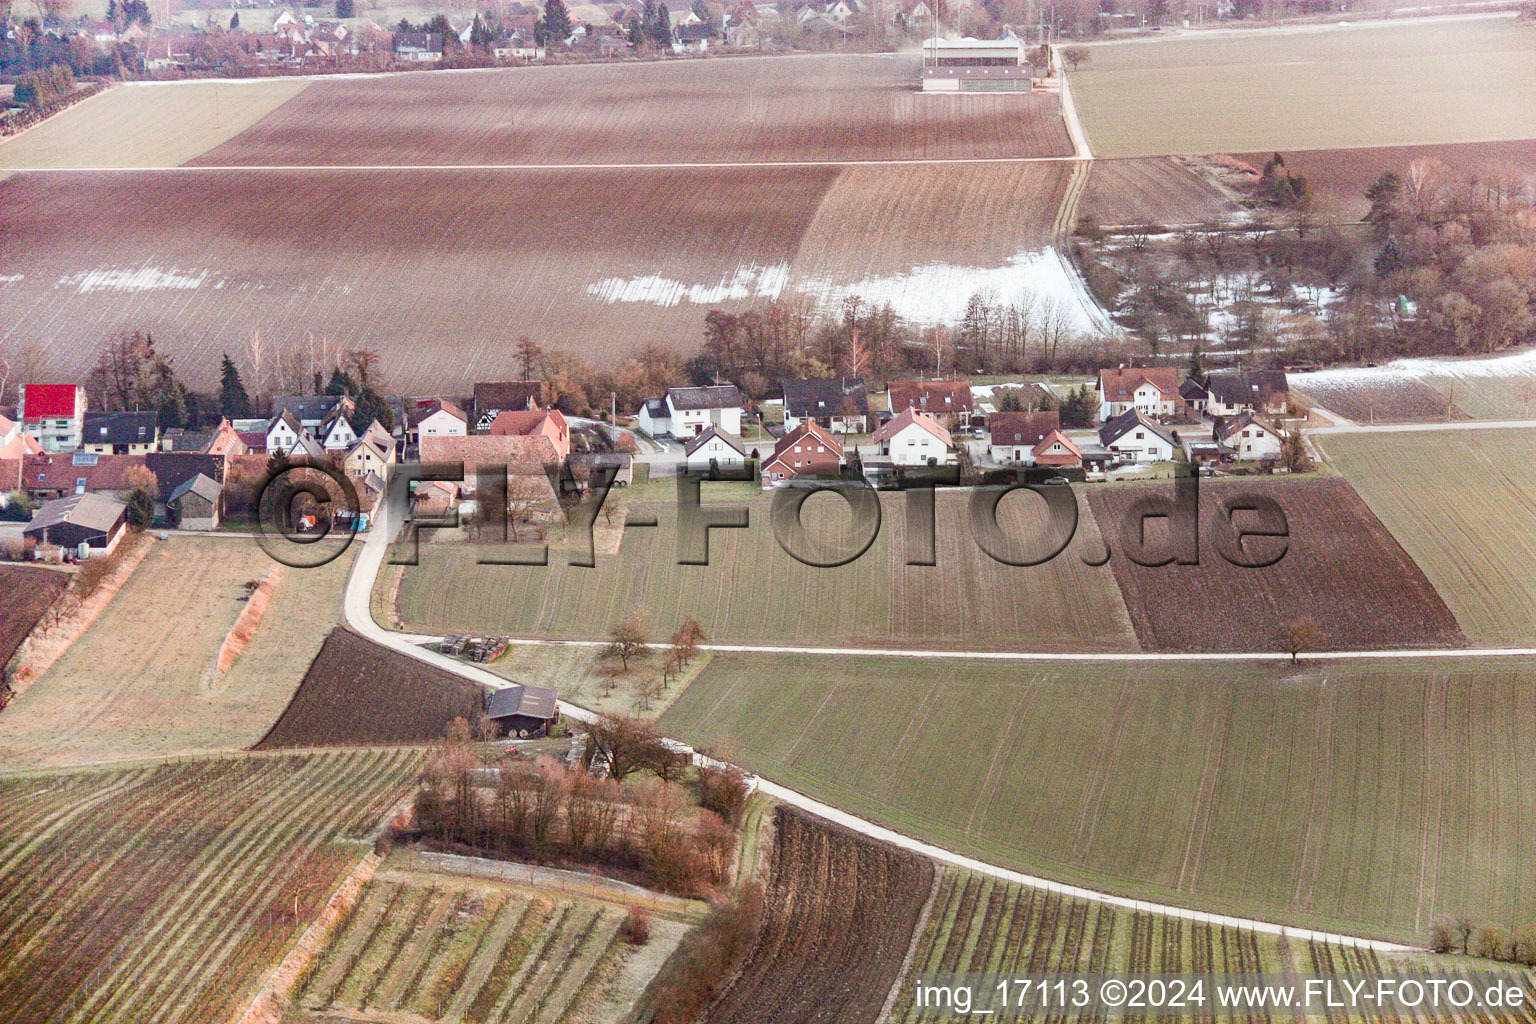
196	503
1250	437
335	433
530	493
976	65
309	410
945	401
1235	391
519	710
1150	390
492	398
1014	435
684	412
546	423
913	439
713	448
840	405
54	414
120	433
1136	436
808	450
88	523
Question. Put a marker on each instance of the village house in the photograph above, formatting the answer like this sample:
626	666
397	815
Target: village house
1136	437
914	439
1014	435
492	398
546	423
88	524
366	456
1266	392
946	402
54	414
518	460
713	448
1249	436
120	433
284	433
808	450
1056	451
841	405
434	499
418	47
1195	396
1150	390
195	503
335	433
15	444
684	412
436	417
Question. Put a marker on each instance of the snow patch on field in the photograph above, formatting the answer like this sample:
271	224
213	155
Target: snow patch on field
938	292
141	279
11	278
751	282
1515	364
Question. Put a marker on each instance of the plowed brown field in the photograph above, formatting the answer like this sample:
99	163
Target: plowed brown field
25	593
1341	567
1154	190
791	108
838	918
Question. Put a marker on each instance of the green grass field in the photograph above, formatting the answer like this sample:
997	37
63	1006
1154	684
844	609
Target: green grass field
752	592
157	125
1463	505
1361	797
1466	80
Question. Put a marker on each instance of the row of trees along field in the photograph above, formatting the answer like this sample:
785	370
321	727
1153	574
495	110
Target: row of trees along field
1444	264
651	817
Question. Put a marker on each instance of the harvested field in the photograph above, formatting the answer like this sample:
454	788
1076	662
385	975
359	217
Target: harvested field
447	948
1364	797
437	273
825	107
1499	387
753	592
1339	177
148	125
164	893
143	679
1157	190
837	920
1465	509
1324	87
1341	567
25	594
358	693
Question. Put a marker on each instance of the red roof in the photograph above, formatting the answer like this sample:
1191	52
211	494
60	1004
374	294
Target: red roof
50	401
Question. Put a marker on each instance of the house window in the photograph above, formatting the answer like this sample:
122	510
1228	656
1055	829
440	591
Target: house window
1140	436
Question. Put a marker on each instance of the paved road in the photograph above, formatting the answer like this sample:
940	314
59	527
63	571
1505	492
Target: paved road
359	616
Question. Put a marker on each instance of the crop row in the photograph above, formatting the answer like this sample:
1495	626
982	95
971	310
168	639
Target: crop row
163	894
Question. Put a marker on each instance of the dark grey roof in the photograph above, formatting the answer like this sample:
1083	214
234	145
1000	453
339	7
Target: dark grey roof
1118	427
1247	387
204	487
655	408
172	469
1192	390
305	408
91	510
507	395
431	42
517	699
120	427
698	440
823	398
719	396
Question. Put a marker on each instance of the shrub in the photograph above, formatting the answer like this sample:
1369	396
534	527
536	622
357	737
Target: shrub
636	929
723	790
707	958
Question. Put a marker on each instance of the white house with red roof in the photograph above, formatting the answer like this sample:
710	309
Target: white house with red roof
54	414
1150	390
914	439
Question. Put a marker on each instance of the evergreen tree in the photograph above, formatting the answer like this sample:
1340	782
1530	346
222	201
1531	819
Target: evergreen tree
341	383
1385	194
371	406
480	35
1196	364
660	28
234	402
555	26
141	509
1389	258
345	9
234	21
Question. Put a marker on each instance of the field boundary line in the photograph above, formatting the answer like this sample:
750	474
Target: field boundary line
659	166
357	609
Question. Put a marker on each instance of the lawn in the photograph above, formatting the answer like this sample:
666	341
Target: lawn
148	125
1463	505
753	592
1464	80
1369	797
143	680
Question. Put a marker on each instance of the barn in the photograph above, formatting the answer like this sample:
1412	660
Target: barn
95	521
976	65
519	710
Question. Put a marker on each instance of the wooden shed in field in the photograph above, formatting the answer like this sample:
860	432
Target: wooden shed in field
520	710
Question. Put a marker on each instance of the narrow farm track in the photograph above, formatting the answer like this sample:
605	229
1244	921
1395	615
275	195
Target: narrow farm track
358	611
